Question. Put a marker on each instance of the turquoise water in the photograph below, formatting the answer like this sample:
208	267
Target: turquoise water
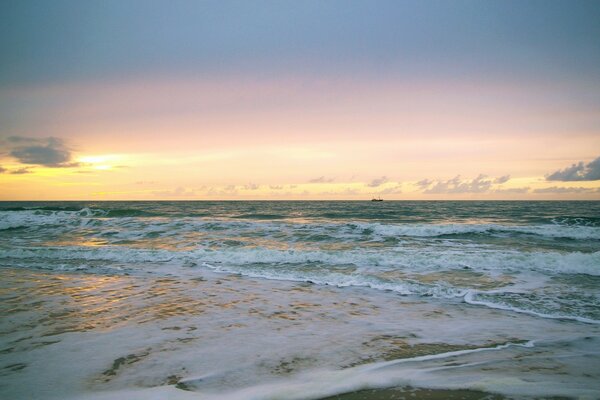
298	300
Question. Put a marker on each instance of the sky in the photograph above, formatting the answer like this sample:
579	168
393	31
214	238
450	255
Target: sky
226	100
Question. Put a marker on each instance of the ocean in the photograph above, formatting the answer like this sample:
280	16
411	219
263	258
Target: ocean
299	299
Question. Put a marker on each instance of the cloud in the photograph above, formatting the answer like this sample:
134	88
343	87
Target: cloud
20	171
480	184
346	192
177	192
424	183
350	191
577	172
513	190
275	187
378	181
502	179
251	186
50	152
229	190
321	179
391	190
556	189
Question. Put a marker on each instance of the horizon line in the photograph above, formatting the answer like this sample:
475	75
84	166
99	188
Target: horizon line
287	200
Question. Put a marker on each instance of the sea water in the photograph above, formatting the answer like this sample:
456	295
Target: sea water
298	300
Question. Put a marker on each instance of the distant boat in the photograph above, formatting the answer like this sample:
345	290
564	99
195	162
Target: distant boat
377	199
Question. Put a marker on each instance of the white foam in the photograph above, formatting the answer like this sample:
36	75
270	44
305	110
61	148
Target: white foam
432	230
470	298
340	268
104	253
422	372
238	344
40	218
386	364
341	280
35	218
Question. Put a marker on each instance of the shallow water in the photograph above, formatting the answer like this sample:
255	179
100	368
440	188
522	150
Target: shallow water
298	300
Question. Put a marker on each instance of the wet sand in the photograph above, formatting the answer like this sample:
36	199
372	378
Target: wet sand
427	394
416	394
78	335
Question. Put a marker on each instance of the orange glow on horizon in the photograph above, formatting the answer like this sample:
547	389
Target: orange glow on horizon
241	139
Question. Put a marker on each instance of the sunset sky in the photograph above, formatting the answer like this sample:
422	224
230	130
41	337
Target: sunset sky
107	100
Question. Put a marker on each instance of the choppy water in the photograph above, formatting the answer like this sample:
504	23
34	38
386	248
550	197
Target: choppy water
535	257
534	260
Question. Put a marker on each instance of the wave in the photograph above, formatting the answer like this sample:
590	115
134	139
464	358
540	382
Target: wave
43	217
471	298
274	261
80	211
42	208
582	311
259	216
449	230
105	253
404	273
576	221
266	222
49	216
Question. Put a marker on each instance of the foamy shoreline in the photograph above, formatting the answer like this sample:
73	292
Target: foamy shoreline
90	336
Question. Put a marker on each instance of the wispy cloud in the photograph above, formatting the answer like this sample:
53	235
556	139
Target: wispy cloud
480	184
517	190
378	181
251	186
177	192
345	192
18	171
424	183
577	172
21	171
559	190
391	190
229	190
502	179
48	152
321	179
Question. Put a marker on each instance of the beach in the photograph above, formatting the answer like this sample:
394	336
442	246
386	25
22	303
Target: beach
299	300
